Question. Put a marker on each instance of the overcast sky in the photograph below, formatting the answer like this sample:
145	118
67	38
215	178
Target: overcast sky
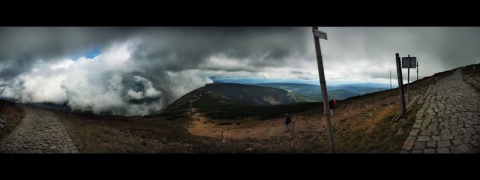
137	70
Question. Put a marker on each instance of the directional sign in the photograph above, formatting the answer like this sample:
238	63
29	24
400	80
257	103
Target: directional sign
413	62
320	34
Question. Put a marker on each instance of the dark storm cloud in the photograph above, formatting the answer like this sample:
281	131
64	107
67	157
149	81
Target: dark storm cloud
451	47
172	48
22	47
179	48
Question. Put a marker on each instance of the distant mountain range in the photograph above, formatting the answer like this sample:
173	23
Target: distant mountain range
223	94
255	95
339	92
219	95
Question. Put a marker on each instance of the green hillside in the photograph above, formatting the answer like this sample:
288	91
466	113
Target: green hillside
254	95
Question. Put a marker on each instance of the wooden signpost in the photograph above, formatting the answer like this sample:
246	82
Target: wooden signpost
319	34
400	85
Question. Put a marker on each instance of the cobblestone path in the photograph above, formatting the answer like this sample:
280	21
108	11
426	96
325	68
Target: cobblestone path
39	132
449	120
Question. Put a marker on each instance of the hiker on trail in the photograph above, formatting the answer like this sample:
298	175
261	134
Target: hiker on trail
332	103
288	120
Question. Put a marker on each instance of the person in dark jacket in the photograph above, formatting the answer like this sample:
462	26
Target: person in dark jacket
332	104
288	120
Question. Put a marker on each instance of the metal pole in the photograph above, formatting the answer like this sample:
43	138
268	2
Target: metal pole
400	84
417	71
390	79
408	80
323	86
417	74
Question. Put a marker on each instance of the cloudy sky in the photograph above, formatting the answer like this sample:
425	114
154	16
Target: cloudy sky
138	70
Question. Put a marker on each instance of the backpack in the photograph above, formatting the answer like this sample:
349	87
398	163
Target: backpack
289	120
334	102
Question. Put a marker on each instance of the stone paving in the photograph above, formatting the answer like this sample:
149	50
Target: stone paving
449	120
39	132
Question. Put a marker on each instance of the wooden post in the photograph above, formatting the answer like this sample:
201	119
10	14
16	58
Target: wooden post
323	85
400	85
408	80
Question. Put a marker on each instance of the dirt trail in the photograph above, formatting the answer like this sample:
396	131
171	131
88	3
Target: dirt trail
257	129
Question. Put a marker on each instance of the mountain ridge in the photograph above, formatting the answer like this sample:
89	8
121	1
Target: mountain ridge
219	94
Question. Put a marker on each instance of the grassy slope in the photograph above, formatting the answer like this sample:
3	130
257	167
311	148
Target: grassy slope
338	94
116	134
260	112
209	104
13	114
470	71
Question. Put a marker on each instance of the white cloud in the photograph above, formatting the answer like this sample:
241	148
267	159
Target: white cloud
135	94
105	84
185	81
65	63
149	91
44	89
